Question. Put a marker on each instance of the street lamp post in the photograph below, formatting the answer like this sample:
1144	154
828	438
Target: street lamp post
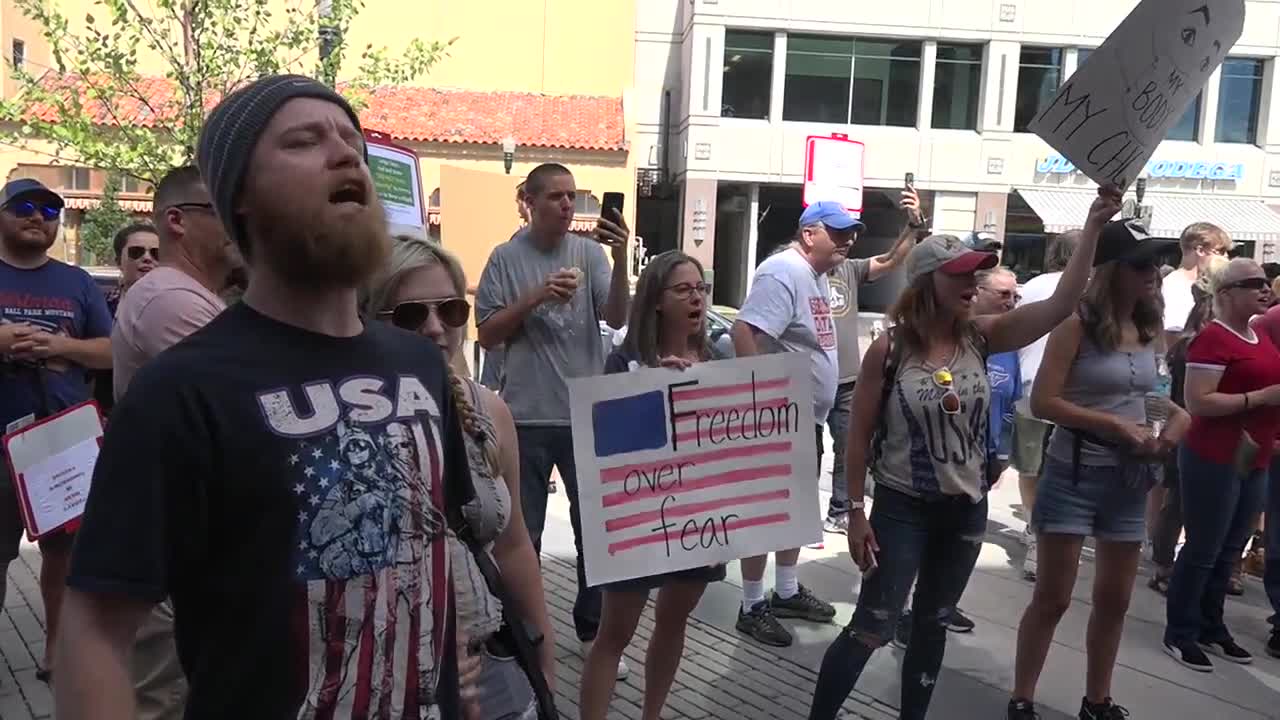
508	153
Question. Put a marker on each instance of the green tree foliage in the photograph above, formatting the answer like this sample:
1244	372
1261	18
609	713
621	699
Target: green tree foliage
99	227
96	108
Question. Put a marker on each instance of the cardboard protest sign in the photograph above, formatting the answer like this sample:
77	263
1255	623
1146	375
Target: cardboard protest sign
679	470
397	179
1111	114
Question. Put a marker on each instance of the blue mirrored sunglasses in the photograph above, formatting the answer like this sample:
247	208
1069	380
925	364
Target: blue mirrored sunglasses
26	208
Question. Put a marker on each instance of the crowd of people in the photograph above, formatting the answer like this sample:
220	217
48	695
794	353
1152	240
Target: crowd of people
304	505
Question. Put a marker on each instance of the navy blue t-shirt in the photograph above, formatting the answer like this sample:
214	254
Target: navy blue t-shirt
59	298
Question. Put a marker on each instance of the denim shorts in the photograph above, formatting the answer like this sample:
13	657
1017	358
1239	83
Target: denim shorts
1093	503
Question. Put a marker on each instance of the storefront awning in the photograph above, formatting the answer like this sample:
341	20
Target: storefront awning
1244	220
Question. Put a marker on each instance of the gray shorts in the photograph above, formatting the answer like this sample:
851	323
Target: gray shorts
505	693
1030	438
1095	503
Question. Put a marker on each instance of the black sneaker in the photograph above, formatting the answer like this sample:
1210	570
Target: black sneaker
804	605
1105	710
763	626
902	631
1228	650
1022	710
957	622
1189	655
1273	644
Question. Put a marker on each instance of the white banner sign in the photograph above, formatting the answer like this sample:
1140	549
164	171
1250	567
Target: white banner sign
1111	114
397	179
833	170
679	470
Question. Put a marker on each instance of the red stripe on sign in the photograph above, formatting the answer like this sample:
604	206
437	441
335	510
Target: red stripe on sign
694	414
641	518
774	519
716	480
615	474
722	390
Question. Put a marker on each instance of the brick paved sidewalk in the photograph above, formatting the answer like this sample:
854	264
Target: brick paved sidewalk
722	675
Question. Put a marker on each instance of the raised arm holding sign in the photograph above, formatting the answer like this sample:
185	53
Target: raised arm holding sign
1111	114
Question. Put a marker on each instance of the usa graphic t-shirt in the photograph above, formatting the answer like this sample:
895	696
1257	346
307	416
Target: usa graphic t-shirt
288	490
61	299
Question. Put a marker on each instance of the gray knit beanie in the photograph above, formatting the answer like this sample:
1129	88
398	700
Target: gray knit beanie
232	129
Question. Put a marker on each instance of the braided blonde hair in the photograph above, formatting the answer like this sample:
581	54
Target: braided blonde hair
409	254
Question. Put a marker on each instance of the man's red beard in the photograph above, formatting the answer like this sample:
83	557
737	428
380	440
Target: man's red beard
320	249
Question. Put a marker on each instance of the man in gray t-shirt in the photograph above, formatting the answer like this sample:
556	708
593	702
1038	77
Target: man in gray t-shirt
844	282
540	299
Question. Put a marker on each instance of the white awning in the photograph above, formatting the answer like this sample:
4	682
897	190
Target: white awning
1244	220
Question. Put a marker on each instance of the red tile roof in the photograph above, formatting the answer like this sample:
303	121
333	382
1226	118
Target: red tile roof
420	114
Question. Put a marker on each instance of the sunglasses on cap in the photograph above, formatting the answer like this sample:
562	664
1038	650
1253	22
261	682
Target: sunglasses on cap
1253	283
413	314
26	208
136	252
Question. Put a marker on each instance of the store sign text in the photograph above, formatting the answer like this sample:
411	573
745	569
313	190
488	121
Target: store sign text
1058	165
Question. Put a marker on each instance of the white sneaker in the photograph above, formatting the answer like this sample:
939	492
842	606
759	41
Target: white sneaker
623	669
1029	562
1027	537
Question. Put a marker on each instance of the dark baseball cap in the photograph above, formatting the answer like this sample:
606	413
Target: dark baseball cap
30	189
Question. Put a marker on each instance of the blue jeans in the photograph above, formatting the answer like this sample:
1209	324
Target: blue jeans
1217	507
1271	576
541	449
838	424
939	541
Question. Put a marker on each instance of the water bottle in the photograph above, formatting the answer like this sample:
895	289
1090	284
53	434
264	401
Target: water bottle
1164	379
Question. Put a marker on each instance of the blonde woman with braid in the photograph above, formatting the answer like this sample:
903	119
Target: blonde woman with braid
423	291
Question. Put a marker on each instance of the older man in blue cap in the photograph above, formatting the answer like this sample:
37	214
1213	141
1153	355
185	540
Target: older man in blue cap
788	310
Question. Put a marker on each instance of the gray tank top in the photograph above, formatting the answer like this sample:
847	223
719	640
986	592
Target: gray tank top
1115	382
488	513
926	449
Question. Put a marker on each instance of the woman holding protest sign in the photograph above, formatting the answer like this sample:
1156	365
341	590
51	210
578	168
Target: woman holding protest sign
919	422
667	328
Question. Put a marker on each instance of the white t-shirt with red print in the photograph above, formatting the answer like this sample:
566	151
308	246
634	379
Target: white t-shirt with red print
789	302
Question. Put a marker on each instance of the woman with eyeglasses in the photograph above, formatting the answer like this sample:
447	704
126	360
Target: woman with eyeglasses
1232	392
1098	385
667	328
920	422
423	291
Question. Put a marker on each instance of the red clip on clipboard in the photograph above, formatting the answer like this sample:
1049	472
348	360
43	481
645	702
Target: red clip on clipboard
51	462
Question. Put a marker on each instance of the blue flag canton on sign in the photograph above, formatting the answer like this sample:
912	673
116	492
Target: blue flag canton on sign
629	424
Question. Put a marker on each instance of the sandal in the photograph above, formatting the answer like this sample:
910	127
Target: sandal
44	675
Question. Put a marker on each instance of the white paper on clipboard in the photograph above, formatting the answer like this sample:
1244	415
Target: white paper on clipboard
52	465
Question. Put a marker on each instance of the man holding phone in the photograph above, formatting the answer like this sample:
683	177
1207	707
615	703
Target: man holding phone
844	281
541	298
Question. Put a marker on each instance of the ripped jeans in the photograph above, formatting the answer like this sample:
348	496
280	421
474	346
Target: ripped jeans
939	539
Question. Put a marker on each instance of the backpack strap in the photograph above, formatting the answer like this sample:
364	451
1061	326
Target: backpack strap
893	356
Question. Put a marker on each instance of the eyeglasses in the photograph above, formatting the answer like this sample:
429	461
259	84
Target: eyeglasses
135	252
193	206
1004	294
26	208
949	403
684	290
413	314
1253	283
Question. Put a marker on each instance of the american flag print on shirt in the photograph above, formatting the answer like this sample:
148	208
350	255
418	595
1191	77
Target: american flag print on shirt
373	596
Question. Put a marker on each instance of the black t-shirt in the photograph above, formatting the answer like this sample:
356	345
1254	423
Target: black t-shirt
287	490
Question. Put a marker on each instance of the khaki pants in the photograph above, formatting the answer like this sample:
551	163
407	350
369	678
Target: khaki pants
158	680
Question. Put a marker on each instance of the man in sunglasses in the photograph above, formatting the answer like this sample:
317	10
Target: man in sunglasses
54	325
788	310
172	301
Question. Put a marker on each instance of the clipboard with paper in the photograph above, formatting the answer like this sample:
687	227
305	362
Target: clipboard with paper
51	462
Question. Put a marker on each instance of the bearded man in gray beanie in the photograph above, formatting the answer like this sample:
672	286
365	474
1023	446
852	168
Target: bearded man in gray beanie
244	472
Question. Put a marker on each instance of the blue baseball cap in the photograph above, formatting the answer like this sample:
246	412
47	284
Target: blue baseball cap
832	214
30	188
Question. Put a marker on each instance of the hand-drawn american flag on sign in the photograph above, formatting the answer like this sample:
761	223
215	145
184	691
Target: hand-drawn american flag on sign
694	468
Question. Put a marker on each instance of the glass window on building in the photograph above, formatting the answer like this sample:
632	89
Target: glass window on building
1187	127
748	74
1239	99
886	82
1039	73
584	203
819	70
957	79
